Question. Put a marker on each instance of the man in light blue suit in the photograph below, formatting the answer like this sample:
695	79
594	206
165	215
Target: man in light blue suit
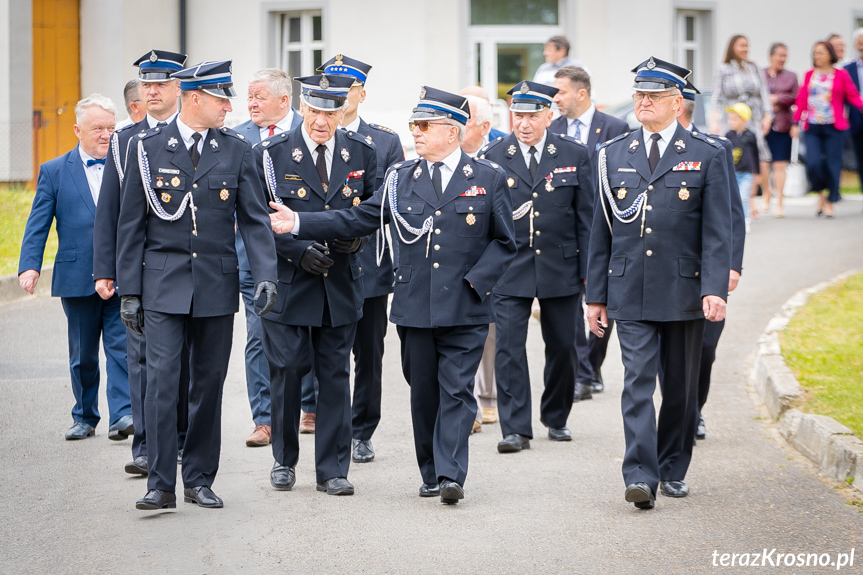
271	114
68	191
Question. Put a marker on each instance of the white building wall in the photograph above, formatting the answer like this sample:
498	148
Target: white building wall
16	90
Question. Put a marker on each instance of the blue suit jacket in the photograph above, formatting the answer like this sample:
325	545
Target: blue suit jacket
62	192
854	116
252	131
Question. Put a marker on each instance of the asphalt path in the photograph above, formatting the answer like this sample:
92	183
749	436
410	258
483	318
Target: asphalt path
68	507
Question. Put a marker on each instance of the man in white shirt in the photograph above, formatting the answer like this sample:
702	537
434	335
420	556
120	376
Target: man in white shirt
556	54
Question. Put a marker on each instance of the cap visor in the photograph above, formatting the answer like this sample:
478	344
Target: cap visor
155	76
527	107
325	104
221	92
652	87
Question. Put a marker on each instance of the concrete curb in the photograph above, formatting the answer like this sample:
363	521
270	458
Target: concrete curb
826	442
11	291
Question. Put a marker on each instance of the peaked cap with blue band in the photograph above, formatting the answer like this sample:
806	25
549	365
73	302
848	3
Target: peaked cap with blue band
345	66
326	92
435	104
690	91
655	75
530	96
214	78
158	65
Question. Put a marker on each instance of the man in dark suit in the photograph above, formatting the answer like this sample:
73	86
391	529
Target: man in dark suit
187	185
451	221
665	200
159	92
68	191
855	117
368	344
549	175
580	119
316	168
270	114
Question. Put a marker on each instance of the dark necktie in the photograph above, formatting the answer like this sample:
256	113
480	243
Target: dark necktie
653	157
321	165
272	129
91	162
193	151
532	152
436	181
161	124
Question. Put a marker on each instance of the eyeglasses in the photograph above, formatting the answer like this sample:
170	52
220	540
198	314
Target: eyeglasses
423	125
652	96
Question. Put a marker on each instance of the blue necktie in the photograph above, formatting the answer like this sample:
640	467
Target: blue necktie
91	162
577	134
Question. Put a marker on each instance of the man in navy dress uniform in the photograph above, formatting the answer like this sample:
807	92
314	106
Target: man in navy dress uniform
316	168
451	222
160	93
179	274
68	190
660	255
270	114
580	119
368	345
552	188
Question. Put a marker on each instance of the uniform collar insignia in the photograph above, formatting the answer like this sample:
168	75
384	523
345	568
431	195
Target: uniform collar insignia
214	144
633	145
345	155
172	142
551	149
417	173
467	170
296	154
511	150
679	145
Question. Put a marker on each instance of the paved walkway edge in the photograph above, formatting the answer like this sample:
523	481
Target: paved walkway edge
826	442
11	291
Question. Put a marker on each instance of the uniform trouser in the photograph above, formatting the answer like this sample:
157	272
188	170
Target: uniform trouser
712	331
287	349
88	319
597	348
368	367
557	320
309	387
659	451
136	355
439	364
209	340
257	370
485	384
584	370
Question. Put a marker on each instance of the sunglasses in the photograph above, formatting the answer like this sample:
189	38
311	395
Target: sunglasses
423	125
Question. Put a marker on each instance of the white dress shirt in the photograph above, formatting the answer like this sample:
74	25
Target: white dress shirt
353	126
665	135
153	122
186	135
525	150
313	146
586	120
94	174
450	163
283	125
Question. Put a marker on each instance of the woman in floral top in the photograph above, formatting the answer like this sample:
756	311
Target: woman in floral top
740	80
821	105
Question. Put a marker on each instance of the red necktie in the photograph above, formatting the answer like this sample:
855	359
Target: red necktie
272	129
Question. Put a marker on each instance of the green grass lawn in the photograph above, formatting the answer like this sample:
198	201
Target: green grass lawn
14	209
823	346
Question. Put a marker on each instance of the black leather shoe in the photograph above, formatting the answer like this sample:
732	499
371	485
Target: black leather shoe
336	486
179	456
121	429
700	430
202	496
430	490
450	492
596	383
562	434
674	488
583	391
80	430
138	466
282	477
363	452
157	499
641	495
513	442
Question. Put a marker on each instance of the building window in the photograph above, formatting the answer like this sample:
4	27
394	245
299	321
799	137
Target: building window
301	44
516	12
693	39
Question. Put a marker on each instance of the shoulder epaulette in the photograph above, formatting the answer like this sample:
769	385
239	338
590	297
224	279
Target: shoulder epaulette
271	141
566	138
357	137
488	147
124	128
381	128
620	137
489	163
709	139
148	133
234	133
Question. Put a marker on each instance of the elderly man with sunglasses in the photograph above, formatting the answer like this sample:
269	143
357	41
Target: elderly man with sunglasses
660	255
452	229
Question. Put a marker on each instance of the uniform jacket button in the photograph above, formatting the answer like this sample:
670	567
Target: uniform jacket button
436	265
194	254
437	212
649	230
538	252
650	188
649	252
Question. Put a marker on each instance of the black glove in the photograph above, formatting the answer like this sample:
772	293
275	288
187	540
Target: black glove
347	246
131	313
269	290
315	260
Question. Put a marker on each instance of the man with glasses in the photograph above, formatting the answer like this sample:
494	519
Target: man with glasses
665	202
451	221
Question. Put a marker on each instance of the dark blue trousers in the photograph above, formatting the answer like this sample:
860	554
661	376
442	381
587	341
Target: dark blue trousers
440	364
584	372
558	323
257	369
824	145
597	348
88	319
209	340
659	451
368	367
289	357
